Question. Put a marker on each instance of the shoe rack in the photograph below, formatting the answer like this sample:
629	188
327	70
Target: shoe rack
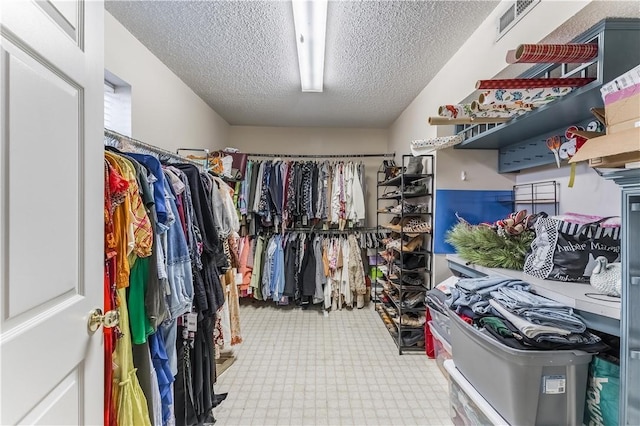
405	207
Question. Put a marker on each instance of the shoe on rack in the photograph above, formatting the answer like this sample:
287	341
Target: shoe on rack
393	194
397	209
415	225
409	209
412	225
386	240
420	208
388	255
413	338
413	279
414	167
394	244
413	300
410	261
410	320
414	244
396	223
415	191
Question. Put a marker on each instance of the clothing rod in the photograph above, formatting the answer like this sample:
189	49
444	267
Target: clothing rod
372	230
205	150
148	147
318	155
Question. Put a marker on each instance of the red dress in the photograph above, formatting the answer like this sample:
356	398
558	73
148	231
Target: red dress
115	186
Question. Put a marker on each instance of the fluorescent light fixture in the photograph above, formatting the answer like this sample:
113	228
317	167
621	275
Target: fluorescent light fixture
310	20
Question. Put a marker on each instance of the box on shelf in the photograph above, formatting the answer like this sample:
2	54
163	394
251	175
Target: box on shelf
613	149
621	143
619	146
623	110
524	387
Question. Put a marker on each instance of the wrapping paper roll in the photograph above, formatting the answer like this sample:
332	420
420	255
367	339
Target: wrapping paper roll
497	114
554	53
511	56
441	141
532	83
455	111
443	121
472	111
500	110
424	146
529	96
503	106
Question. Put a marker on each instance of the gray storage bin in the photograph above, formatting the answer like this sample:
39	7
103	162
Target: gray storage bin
525	387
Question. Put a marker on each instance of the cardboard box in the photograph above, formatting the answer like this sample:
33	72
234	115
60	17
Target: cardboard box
621	143
618	160
621	127
623	110
612	144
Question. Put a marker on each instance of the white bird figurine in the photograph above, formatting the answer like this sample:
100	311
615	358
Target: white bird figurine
607	277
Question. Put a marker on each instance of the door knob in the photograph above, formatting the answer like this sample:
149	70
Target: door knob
108	320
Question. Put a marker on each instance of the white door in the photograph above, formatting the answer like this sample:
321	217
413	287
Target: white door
51	211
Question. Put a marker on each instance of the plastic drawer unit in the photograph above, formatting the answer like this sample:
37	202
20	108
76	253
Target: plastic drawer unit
441	346
525	387
467	406
441	321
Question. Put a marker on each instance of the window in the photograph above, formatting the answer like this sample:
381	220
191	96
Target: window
117	104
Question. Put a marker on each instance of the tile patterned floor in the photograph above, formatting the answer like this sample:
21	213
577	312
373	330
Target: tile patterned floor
300	367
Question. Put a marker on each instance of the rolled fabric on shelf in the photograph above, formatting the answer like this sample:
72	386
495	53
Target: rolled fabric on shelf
500	110
455	111
444	121
555	53
506	106
537	97
531	83
424	146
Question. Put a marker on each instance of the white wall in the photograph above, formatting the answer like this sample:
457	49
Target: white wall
312	140
165	111
590	194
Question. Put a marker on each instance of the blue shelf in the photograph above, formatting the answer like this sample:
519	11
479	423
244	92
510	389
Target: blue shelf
521	140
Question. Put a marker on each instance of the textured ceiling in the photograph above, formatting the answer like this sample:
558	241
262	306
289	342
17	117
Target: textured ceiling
240	56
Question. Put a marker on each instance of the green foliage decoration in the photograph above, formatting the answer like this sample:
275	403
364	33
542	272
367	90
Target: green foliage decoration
483	245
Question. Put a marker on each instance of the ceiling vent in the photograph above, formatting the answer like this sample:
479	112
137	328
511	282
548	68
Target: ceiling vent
513	14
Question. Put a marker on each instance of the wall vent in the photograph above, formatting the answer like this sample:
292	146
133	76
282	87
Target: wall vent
513	14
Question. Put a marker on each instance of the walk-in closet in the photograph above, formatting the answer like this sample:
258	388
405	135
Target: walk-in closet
319	212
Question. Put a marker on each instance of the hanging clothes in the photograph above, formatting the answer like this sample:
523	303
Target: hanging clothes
310	268
131	401
164	225
285	193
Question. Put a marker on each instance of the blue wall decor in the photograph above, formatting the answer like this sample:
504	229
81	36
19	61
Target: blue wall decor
474	206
